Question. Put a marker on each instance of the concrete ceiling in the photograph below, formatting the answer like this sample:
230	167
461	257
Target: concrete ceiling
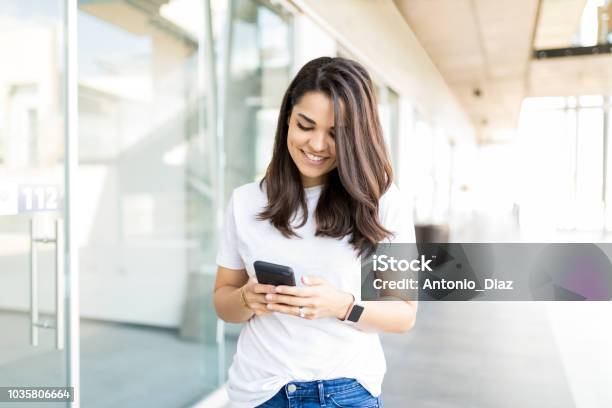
587	75
482	48
558	23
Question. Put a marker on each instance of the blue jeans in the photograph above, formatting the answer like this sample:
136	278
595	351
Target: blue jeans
336	393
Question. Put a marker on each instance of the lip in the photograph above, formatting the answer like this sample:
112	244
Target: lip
312	162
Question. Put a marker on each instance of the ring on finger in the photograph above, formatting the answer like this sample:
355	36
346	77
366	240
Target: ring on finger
301	312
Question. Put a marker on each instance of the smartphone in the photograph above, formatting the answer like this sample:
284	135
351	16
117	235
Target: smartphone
274	274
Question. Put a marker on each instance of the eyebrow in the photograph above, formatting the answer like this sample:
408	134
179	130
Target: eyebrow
311	121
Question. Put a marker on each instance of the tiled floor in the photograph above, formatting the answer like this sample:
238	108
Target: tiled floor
476	354
460	354
121	365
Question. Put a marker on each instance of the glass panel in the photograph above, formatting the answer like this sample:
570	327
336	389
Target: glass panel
587	101
589	22
31	189
547	151
258	74
388	107
423	171
589	167
563	155
441	175
565	181
147	214
260	59
609	169
571	24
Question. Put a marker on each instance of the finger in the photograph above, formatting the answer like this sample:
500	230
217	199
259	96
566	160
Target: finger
261	288
310	313
257	299
289	300
277	307
295	291
262	312
312	280
260	307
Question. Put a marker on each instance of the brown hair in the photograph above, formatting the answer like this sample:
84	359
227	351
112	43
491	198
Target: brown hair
348	204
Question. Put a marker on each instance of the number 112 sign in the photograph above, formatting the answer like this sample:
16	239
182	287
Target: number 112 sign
26	198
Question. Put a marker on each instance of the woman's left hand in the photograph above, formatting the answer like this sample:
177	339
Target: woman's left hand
317	299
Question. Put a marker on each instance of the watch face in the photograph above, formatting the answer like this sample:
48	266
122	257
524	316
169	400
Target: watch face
355	314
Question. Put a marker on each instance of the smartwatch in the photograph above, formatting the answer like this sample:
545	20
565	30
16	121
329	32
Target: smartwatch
355	313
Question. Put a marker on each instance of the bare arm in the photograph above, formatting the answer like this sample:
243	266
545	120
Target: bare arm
388	316
320	299
227	296
396	316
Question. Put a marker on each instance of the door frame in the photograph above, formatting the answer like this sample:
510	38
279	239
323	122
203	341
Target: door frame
71	165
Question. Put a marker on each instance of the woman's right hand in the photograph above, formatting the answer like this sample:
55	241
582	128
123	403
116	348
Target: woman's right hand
255	296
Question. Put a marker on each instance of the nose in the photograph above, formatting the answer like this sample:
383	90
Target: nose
318	142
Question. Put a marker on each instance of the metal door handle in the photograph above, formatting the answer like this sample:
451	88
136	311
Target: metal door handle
33	288
59	285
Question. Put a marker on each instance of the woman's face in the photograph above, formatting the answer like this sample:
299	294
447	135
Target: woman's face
310	138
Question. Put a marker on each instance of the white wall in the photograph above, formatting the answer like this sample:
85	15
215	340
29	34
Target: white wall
310	41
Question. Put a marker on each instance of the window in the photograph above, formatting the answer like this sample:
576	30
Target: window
260	59
561	145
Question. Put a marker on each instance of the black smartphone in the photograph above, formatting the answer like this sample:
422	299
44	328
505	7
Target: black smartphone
273	274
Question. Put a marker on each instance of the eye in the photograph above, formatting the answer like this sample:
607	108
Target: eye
303	127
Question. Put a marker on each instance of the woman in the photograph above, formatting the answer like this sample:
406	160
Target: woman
326	199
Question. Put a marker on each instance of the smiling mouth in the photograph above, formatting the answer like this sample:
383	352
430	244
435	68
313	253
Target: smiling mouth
313	158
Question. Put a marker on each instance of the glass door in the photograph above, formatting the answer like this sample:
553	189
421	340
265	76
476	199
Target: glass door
147	214
34	330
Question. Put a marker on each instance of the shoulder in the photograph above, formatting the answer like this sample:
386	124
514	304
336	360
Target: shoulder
392	196
249	196
395	212
249	190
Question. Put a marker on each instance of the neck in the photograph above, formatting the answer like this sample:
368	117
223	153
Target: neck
312	182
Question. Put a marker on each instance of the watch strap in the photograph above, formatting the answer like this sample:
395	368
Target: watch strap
355	313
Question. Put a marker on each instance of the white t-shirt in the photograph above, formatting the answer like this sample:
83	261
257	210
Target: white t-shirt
279	348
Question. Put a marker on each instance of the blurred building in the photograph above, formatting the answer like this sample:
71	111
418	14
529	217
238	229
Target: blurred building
496	114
